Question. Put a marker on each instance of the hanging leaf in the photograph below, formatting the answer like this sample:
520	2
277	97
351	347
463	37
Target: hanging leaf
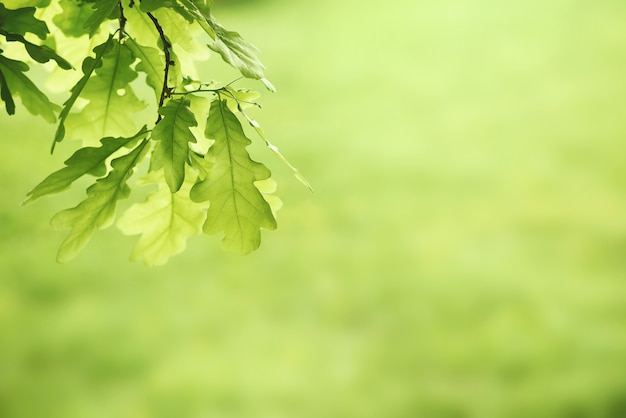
174	135
112	101
101	11
89	160
97	211
16	82
89	66
166	220
237	208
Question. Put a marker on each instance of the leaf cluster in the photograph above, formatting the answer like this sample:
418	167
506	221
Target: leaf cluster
193	146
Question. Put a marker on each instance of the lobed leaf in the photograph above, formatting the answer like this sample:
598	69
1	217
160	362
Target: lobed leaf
16	82
101	11
22	21
151	62
174	135
89	160
97	211
112	100
237	208
73	19
165	221
89	66
40	53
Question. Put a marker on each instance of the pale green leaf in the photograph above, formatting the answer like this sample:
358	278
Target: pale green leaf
237	52
101	11
237	208
97	211
166	220
89	160
151	62
112	101
73	18
174	135
89	66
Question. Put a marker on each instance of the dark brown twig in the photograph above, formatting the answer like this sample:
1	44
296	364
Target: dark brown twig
166	90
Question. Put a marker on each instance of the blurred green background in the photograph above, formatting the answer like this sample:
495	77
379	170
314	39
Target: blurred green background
463	255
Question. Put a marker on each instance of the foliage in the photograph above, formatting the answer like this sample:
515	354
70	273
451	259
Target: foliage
204	182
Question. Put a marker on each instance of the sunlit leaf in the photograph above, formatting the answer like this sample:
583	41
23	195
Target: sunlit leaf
174	135
18	84
89	66
112	101
237	208
166	220
89	160
97	211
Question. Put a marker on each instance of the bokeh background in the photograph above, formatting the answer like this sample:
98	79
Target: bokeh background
463	254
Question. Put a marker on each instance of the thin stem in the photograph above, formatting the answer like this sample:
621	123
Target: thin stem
166	91
122	21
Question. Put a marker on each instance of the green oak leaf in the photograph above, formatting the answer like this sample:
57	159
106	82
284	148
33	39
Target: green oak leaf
21	21
140	26
89	66
40	53
73	18
174	135
88	160
101	11
237	207
166	220
151	62
18	84
112	100
97	211
238	52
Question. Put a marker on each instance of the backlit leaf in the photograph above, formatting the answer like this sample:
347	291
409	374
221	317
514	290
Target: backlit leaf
112	101
22	21
151	62
97	211
18	84
101	11
89	160
237	208
166	220
89	66
174	135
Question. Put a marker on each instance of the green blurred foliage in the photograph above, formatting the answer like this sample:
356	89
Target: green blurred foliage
463	255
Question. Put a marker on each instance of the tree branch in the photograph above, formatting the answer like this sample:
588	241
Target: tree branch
166	90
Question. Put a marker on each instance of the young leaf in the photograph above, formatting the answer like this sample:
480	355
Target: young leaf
97	211
112	101
89	66
22	21
40	53
237	52
237	207
174	135
18	84
151	62
73	18
89	160
166	220
101	10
